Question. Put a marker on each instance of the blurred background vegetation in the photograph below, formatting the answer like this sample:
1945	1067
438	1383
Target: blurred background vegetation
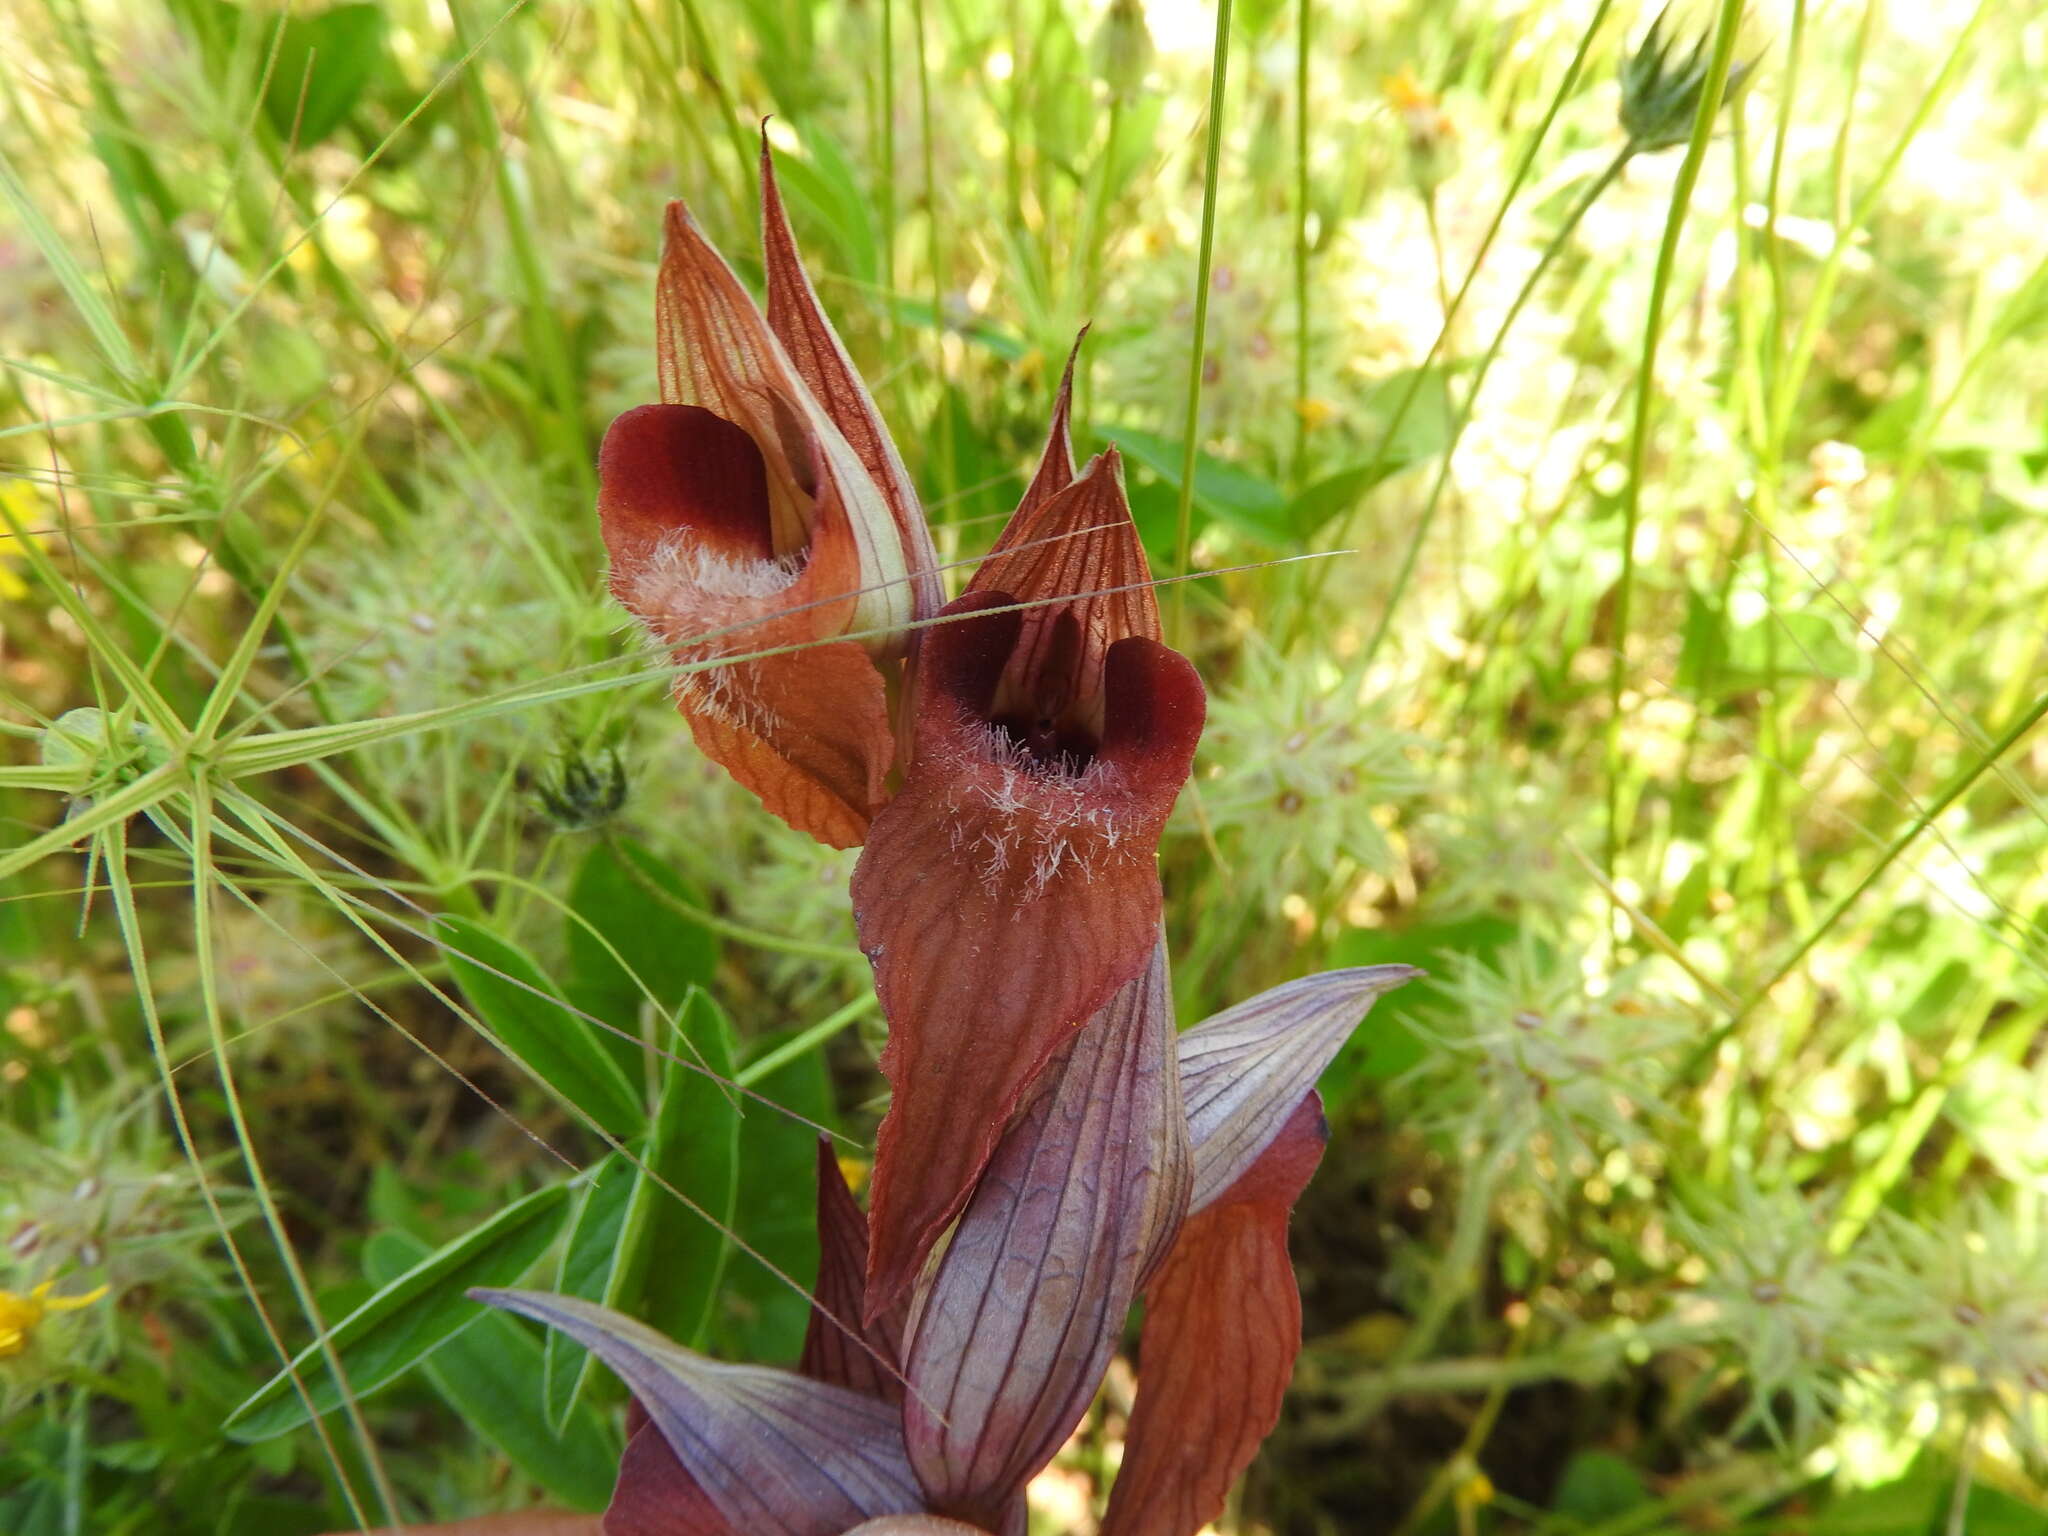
1670	688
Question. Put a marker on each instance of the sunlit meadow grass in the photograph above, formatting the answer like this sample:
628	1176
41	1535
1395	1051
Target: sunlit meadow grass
1672	689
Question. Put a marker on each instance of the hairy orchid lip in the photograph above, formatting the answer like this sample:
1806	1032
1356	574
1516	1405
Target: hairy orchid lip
1048	744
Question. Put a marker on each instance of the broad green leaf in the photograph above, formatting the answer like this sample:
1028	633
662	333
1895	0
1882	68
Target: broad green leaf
776	1215
532	1021
696	1152
329	58
602	1262
1920	1504
419	1310
980	330
490	1374
655	949
1599	1486
1238	499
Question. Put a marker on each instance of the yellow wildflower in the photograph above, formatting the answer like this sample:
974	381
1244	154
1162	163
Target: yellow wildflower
1316	413
855	1171
19	506
20	1315
1474	1490
1406	93
1432	135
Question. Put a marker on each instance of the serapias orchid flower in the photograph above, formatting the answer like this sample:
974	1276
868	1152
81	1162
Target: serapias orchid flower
1129	1173
762	505
1010	888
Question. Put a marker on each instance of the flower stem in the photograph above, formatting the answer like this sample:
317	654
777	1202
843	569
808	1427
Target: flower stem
1219	65
1405	573
1304	16
1719	64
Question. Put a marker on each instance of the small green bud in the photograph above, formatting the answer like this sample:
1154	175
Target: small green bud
1661	91
1123	50
584	791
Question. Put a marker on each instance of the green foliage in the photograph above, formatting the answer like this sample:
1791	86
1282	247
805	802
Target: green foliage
486	1373
407	1317
535	1024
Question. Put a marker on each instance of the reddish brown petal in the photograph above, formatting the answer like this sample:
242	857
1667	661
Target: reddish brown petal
682	502
815	351
716	350
836	1347
1078	544
1055	465
1012	1330
808	732
1222	1328
1002	903
654	1496
670	470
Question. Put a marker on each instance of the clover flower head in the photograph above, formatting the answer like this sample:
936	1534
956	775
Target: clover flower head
1529	1058
1300	779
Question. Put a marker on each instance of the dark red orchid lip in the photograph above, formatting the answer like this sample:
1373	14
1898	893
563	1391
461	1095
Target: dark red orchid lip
1003	899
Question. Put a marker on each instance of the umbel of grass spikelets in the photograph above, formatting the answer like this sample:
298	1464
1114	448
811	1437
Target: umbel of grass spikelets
1033	1179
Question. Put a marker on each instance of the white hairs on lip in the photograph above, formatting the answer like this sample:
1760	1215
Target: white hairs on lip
682	590
683	569
1054	819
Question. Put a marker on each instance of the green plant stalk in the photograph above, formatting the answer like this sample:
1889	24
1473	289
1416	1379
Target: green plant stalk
1956	788
1795	53
128	919
183	369
1095	221
1459	1272
548	345
203	876
935	257
1464	1463
1191	426
1876	1181
1405	572
1304	18
1719	63
886	68
803	1043
1793	371
757	938
1319	580
148	702
141	794
700	44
